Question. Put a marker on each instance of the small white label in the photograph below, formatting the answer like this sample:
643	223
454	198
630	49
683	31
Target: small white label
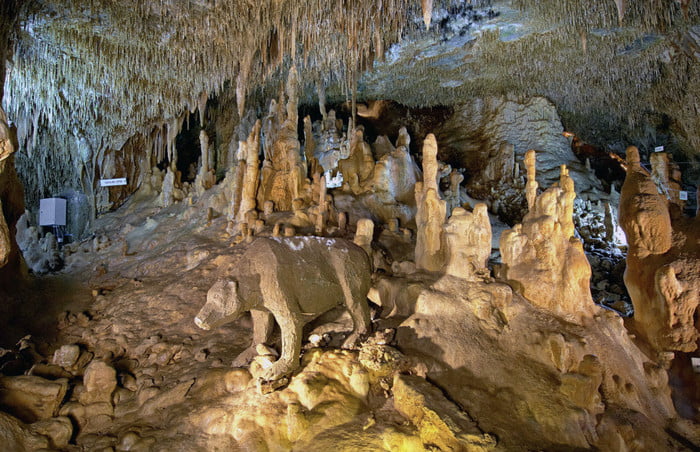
112	182
659	149
334	182
695	362
683	196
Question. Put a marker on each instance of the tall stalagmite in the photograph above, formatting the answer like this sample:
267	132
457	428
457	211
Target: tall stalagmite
663	267
431	211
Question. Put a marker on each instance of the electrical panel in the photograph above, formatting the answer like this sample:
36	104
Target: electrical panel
52	212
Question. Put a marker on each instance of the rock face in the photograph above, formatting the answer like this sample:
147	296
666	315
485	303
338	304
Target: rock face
479	130
100	381
438	420
11	198
292	281
662	275
544	261
535	381
18	437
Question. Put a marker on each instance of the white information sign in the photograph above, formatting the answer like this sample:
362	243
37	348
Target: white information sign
695	362
659	149
683	196
112	182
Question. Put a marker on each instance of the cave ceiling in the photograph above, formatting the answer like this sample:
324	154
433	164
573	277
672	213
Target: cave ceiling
100	71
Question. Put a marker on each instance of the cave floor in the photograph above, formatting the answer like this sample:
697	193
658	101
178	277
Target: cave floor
128	296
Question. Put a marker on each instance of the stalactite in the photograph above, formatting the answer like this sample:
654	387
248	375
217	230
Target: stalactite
427	6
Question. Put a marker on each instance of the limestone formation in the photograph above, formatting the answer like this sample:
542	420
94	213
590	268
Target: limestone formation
283	177
431	212
100	381
171	190
206	177
481	132
41	254
11	198
468	243
662	261
291	281
666	175
469	332
438	420
5	240
531	186
313	166
453	195
358	166
31	398
364	235
250	179
543	260
17	436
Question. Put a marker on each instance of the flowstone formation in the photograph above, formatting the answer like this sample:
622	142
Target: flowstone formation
663	263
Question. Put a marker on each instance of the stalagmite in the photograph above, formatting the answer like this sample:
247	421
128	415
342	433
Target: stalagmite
358	166
662	262
284	172
531	186
468	242
644	213
313	166
453	196
427	6
206	178
364	235
543	260
251	177
431	211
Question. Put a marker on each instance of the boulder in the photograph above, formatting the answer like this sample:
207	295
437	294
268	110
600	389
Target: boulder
31	398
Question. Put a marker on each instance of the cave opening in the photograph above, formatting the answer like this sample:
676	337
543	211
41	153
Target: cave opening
188	148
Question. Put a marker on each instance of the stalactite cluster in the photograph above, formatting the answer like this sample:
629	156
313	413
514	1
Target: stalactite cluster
121	65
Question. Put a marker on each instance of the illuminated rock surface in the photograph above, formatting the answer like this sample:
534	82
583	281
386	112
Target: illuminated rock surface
410	128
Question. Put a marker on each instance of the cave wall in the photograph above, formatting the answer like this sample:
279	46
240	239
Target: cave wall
11	198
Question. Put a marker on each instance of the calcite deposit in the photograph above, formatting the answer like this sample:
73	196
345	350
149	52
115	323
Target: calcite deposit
349	226
663	261
541	257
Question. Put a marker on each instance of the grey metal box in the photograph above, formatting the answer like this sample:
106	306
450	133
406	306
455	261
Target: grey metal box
52	211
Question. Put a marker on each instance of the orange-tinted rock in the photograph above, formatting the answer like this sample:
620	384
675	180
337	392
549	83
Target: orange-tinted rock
542	258
663	261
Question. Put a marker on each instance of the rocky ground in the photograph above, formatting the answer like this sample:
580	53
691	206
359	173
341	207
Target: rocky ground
133	371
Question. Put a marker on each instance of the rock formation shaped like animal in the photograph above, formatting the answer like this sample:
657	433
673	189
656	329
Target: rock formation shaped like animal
291	280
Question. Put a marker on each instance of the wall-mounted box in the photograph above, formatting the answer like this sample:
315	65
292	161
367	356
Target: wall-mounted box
52	211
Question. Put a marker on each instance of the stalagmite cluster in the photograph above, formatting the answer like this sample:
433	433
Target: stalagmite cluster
541	256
